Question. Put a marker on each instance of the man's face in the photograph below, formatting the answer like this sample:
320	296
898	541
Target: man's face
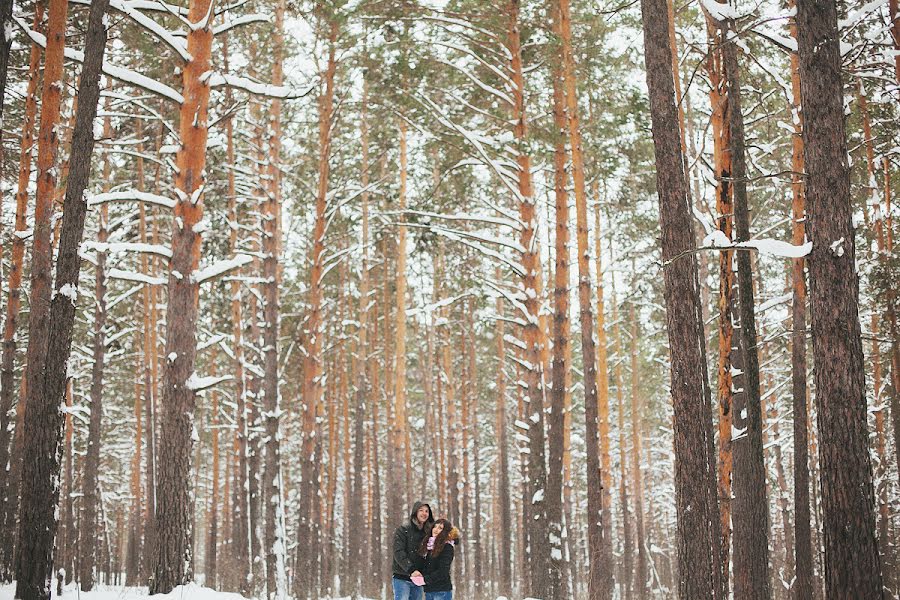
422	514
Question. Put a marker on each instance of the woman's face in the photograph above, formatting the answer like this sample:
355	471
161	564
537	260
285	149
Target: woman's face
437	529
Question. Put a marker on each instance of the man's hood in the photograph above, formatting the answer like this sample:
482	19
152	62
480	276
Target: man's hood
416	506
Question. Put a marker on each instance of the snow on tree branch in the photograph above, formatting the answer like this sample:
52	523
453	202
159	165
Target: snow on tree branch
220	267
128	195
120	73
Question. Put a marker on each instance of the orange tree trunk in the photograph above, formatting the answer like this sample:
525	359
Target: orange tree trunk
803	557
174	508
360	380
276	544
696	505
9	500
33	575
538	558
751	529
560	330
586	317
725	222
852	563
312	371
52	325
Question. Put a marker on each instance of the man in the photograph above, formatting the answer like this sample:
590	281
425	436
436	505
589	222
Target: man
407	539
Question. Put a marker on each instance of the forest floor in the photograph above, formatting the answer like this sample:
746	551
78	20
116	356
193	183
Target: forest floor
120	592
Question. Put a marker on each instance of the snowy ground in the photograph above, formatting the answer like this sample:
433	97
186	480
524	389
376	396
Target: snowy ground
105	592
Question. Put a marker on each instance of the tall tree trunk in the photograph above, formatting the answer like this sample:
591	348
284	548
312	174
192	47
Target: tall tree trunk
803	558
312	371
8	500
699	546
586	312
276	542
852	564
751	527
51	331
538	550
561	329
90	484
725	391
174	508
32	573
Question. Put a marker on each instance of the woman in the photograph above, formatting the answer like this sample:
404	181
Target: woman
437	556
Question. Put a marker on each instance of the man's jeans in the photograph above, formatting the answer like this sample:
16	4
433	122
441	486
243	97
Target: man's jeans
406	590
439	596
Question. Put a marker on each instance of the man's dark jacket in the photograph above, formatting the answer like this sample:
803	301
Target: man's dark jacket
407	539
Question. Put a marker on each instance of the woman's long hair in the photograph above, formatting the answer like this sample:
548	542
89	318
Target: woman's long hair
439	542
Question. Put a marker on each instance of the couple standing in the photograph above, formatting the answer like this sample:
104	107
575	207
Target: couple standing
423	553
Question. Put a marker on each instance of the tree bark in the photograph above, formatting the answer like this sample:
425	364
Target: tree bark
803	556
852	563
538	550
751	508
174	508
276	542
33	573
51	333
313	368
8	500
561	330
699	549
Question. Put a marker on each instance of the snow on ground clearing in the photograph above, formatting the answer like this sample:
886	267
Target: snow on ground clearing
117	592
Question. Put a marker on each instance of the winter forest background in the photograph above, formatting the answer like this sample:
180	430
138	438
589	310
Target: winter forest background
273	270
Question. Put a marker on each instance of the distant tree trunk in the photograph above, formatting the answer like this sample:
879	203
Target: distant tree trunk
90	484
504	540
561	329
174	508
699	546
626	580
67	541
640	574
852	564
803	560
399	469
212	517
51	331
240	538
360	362
602	588
751	508
9	501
